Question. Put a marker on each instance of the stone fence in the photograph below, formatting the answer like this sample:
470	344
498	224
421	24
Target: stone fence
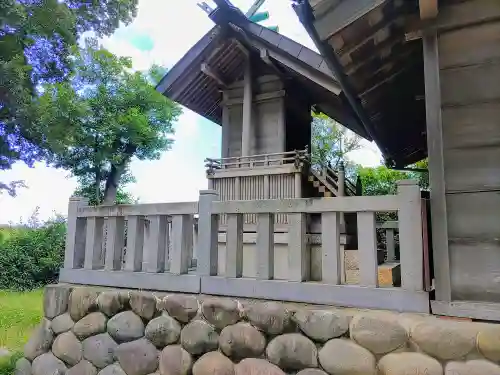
158	255
116	332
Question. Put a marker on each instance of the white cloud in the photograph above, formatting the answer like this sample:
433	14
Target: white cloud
174	27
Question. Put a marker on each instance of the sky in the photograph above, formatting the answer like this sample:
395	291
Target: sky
161	33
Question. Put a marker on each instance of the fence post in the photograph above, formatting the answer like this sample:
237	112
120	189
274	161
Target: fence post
182	244
93	243
341	193
410	235
155	244
135	243
390	244
74	254
299	264
208	232
341	180
194	251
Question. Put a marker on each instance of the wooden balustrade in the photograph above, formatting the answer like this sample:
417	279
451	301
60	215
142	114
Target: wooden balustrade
407	203
148	247
255	161
156	246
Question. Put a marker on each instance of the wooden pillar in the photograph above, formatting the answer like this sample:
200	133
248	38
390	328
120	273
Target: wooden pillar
436	167
298	184
208	230
246	134
225	127
341	192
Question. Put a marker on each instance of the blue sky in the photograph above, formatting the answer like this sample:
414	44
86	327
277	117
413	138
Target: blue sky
161	33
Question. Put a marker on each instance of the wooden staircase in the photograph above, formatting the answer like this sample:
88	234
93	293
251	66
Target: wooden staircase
326	183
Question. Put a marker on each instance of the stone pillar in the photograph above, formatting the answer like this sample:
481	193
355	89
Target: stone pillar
75	236
246	133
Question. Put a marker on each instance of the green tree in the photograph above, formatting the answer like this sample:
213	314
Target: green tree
110	115
36	39
331	143
422	177
379	180
383	181
87	189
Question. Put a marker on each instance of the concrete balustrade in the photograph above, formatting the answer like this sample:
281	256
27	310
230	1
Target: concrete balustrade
160	240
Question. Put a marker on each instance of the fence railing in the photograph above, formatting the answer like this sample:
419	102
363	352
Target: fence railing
256	161
147	255
158	239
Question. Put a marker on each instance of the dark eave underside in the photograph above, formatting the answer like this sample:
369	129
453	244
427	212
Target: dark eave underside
385	70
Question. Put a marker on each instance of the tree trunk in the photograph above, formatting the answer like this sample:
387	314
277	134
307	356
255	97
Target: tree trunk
111	188
112	182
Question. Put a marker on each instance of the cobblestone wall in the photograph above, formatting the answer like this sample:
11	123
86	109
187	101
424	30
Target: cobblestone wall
88	332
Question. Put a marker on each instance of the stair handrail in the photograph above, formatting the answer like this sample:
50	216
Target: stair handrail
334	176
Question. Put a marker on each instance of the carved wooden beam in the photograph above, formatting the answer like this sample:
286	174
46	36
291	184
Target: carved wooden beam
264	55
428	9
212	73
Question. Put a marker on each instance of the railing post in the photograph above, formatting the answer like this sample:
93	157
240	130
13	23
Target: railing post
234	246
341	193
93	243
208	232
155	248
367	249
298	184
74	254
182	242
298	254
341	180
265	247
115	242
410	235
330	246
135	243
194	251
390	245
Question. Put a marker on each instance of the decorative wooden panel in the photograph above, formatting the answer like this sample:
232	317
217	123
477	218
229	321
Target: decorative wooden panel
252	188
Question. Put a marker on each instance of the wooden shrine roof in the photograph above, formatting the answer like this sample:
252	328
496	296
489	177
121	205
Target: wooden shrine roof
218	58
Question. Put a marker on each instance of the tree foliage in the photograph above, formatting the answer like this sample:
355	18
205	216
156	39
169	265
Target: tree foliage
332	143
383	181
36	40
31	253
110	114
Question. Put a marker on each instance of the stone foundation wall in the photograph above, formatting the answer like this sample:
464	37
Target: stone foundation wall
87	331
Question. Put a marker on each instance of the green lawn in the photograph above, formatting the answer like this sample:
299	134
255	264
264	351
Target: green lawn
19	314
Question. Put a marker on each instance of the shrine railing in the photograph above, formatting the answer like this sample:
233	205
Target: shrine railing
159	259
256	161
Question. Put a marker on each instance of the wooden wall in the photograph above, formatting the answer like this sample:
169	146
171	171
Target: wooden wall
268	120
469	59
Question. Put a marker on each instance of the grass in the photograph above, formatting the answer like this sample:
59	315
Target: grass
20	312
